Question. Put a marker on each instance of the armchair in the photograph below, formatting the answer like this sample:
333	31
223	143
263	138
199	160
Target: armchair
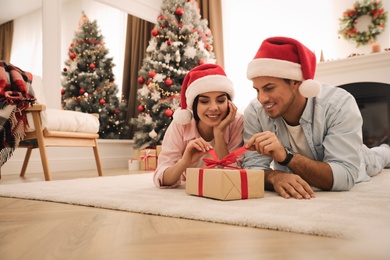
57	128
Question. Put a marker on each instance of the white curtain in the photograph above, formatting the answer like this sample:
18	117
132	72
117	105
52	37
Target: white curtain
26	52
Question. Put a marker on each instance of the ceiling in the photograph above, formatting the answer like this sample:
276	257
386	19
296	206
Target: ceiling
11	9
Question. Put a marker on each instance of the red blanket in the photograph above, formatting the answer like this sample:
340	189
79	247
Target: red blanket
15	95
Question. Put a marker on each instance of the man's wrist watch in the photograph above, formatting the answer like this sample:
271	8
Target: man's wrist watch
290	155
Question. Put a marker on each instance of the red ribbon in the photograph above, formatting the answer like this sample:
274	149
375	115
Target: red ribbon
228	159
225	161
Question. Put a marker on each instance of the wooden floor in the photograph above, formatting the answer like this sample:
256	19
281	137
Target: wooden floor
43	230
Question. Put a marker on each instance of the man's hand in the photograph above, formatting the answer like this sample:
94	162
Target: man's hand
289	185
267	143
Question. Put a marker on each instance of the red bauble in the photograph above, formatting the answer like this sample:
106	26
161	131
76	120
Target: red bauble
154	32
102	101
62	91
169	42
168	112
92	66
65	69
141	108
141	80
201	62
82	91
152	73
116	111
168	82
179	11
72	55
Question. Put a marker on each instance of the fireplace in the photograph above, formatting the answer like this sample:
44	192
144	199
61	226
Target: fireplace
367	78
373	100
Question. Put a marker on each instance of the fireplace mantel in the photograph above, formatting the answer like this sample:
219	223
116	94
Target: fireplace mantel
374	67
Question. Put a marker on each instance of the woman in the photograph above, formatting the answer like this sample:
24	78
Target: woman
213	123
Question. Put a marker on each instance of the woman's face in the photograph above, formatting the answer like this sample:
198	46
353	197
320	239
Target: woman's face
212	107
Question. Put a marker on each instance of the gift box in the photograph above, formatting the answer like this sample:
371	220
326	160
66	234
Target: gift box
158	150
225	183
134	165
148	159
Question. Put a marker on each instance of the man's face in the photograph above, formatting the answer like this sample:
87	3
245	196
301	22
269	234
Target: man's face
275	94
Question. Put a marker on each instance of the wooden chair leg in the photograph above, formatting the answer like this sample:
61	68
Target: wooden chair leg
25	162
97	159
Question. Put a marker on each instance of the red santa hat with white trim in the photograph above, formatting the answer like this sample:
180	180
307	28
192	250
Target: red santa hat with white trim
286	58
201	79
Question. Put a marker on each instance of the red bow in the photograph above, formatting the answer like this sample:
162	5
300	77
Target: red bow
225	161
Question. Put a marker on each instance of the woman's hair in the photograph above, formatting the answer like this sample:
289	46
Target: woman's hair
195	107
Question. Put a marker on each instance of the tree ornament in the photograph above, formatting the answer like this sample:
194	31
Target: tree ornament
102	101
72	55
154	32
350	19
179	11
141	80
65	69
82	91
62	91
141	108
92	66
209	47
116	111
168	112
153	134
169	42
152	73
168	82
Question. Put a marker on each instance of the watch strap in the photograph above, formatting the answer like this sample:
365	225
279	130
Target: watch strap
289	156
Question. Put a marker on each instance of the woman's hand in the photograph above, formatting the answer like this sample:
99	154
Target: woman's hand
228	119
195	150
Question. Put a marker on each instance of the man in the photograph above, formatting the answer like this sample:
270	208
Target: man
311	133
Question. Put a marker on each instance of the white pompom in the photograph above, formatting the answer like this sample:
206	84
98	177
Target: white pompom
310	88
182	116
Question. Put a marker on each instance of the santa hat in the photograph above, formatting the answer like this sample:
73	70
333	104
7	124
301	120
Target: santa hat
286	58
201	79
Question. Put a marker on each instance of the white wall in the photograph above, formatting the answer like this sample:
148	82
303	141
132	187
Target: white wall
314	23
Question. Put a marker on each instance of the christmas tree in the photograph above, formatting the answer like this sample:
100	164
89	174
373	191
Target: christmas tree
88	83
180	41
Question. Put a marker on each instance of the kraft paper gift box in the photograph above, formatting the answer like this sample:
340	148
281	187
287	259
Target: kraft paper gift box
158	150
225	184
148	159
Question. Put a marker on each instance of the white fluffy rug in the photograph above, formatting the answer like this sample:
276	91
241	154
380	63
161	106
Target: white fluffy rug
365	210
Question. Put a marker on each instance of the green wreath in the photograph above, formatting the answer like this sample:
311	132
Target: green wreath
349	20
